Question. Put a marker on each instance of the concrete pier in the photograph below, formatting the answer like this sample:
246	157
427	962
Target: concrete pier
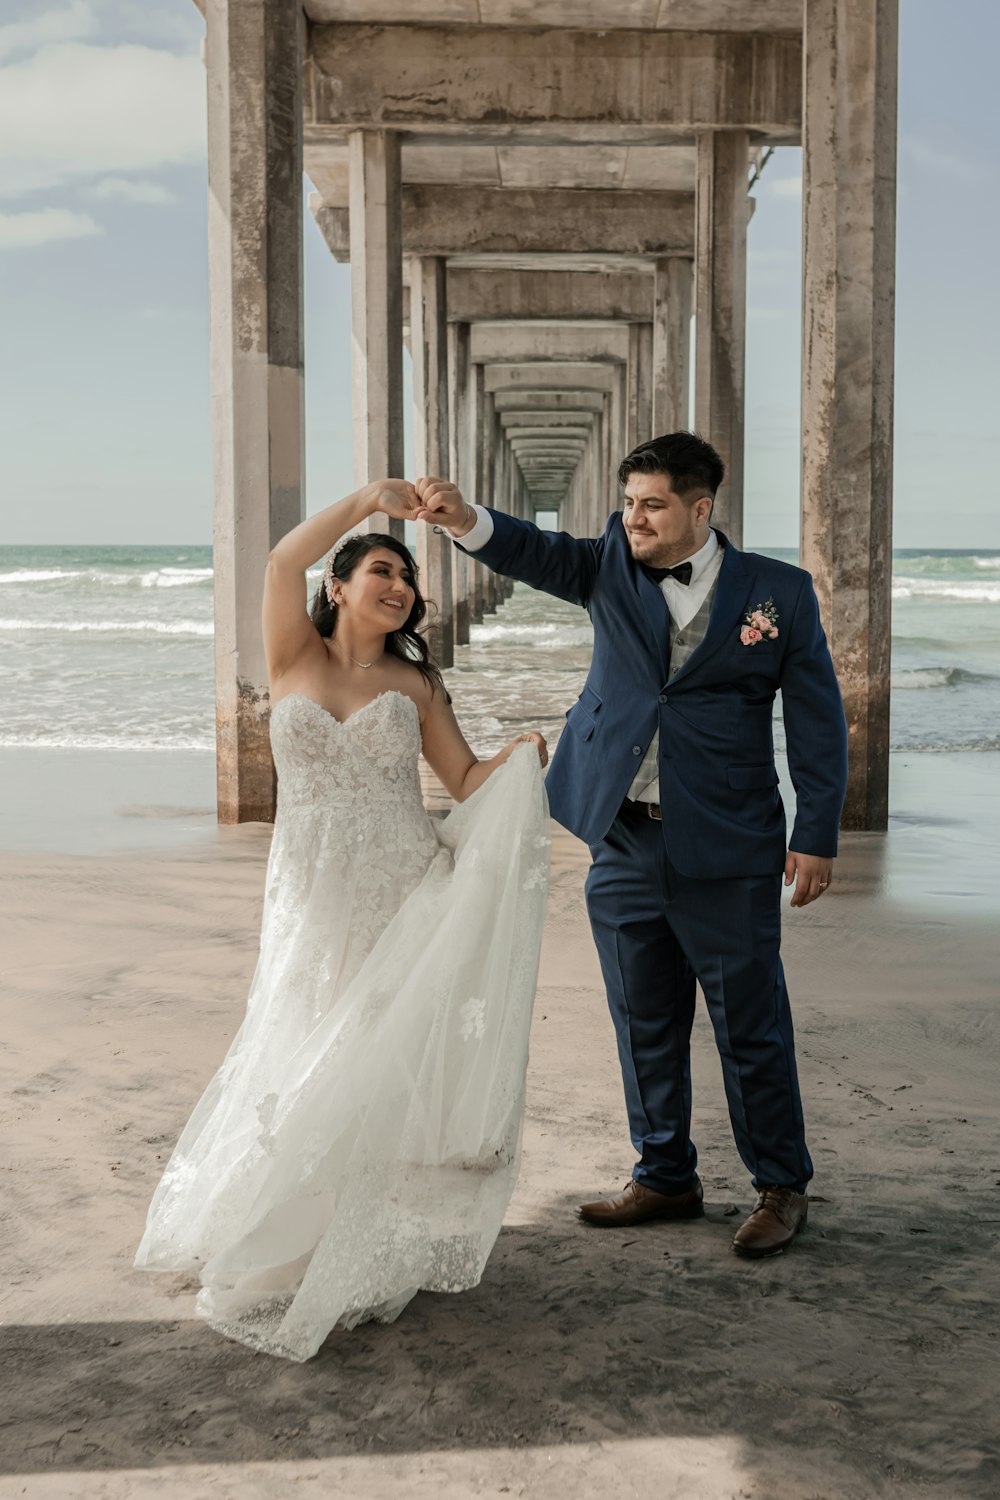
376	246
432	449
254	65
562	193
849	243
720	323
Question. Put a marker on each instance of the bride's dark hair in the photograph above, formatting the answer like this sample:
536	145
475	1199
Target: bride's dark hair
405	643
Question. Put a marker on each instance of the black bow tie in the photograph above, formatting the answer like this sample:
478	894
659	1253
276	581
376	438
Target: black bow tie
682	573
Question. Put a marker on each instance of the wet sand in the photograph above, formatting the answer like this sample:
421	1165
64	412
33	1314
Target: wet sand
645	1363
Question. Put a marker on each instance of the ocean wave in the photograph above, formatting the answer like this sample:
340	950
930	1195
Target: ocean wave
111	627
175	578
39	575
987	562
549	634
969	592
160	578
987	746
932	677
72	741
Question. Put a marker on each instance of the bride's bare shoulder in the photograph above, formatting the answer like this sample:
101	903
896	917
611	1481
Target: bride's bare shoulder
410	680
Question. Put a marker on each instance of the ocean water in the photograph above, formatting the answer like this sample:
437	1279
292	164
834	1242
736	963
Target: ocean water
111	648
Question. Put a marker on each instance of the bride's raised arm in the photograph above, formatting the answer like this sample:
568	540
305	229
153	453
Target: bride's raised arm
288	630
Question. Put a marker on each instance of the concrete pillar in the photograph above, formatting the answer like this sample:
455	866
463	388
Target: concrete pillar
429	349
720	329
254	66
644	381
632	420
477	495
619	422
460	464
849	231
674	285
376	310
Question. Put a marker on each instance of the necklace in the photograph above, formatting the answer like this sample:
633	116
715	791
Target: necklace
364	665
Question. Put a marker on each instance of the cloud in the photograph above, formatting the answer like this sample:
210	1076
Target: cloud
130	190
22	231
784	187
932	157
75	109
71	24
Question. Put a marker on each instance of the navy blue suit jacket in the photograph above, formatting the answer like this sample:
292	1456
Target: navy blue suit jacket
722	812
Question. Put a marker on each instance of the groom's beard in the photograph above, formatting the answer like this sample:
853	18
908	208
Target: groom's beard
648	548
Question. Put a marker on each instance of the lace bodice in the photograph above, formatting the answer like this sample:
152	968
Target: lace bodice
322	761
349	803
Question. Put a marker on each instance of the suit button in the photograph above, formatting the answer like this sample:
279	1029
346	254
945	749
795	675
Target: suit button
663	697
636	749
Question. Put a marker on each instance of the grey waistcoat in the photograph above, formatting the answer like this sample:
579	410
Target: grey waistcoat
682	644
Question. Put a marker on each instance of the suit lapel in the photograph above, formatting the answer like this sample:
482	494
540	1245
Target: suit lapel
658	615
732	589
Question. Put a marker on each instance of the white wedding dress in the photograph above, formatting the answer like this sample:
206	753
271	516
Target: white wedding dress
361	1140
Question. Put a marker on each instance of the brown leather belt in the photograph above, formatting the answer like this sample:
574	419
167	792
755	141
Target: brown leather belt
647	809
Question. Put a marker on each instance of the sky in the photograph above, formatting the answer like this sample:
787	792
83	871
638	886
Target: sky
104	400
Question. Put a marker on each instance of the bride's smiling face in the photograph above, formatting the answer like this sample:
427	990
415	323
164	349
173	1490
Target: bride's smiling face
379	592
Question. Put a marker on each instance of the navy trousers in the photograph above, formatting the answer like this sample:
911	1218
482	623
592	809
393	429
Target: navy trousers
657	933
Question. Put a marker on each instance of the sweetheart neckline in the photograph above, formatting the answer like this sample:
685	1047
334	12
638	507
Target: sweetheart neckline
342	723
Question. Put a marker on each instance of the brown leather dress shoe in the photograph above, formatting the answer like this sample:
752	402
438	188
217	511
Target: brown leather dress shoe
774	1221
637	1204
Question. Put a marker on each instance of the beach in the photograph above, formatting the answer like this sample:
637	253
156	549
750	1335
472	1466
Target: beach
588	1363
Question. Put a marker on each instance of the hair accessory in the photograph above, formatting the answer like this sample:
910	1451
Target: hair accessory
328	573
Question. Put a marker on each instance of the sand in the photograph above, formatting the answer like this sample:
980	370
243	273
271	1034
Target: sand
588	1363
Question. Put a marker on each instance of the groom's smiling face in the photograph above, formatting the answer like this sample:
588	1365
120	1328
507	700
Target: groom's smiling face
662	527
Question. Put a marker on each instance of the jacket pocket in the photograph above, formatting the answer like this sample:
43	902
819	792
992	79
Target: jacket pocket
580	722
747	778
581	716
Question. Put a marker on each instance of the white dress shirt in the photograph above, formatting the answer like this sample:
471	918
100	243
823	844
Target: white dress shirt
480	533
683	602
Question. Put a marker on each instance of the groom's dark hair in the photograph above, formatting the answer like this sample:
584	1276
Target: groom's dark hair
692	465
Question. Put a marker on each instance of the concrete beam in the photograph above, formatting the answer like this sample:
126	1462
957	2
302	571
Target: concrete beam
254	66
648	169
849	223
484	296
559	85
506	221
555	376
782	16
526	343
553	402
536	429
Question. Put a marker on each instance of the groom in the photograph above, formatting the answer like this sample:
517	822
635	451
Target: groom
666	769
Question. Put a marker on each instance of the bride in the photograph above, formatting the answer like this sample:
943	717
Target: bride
360	1141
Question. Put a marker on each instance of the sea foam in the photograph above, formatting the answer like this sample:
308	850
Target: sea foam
111	627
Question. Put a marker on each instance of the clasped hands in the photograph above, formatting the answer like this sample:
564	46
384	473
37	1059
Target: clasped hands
436	501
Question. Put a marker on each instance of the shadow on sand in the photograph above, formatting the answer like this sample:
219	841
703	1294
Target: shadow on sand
575	1336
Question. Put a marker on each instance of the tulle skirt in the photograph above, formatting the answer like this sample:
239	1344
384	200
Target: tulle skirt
331	1171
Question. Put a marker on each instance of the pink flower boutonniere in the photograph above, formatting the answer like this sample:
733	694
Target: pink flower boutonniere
761	624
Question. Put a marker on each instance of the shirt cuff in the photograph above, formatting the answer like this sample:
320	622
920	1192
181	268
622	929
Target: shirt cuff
480	533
